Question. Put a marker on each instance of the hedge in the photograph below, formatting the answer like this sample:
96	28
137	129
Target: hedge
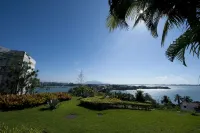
13	102
99	103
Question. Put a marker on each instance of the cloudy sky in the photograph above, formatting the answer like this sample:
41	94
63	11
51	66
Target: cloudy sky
67	36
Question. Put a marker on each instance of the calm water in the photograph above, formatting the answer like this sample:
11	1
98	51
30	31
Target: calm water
192	91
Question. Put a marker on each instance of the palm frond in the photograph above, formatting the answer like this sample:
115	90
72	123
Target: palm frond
113	23
188	40
167	27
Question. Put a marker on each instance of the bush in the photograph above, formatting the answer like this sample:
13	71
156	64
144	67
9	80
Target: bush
12	102
99	103
82	91
122	96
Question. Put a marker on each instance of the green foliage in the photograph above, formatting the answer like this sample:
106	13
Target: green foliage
100	103
122	96
177	99
111	121
82	91
166	100
178	13
139	96
12	102
148	98
20	129
21	79
187	99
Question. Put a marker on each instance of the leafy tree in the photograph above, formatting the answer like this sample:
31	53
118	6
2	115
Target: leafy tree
139	96
177	99
187	99
82	91
166	100
184	14
148	97
21	78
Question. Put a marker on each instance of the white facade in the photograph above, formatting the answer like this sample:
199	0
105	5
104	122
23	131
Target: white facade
8	57
185	106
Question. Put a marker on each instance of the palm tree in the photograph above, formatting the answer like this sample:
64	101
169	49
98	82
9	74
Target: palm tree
177	14
178	99
187	99
165	100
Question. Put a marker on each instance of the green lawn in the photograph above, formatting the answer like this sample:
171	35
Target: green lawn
116	120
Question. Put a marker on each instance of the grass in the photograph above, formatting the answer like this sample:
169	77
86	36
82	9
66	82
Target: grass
112	121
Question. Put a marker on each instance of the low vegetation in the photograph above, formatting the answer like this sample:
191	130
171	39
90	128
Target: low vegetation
82	91
110	121
100	103
19	129
13	102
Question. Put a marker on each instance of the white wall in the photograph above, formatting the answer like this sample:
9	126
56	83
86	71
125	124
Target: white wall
29	59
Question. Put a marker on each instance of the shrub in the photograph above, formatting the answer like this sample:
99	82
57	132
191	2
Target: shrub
99	103
11	102
82	91
139	96
122	96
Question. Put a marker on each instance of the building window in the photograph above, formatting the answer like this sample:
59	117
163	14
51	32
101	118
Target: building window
184	106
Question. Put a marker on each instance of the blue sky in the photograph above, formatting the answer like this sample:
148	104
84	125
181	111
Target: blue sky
65	36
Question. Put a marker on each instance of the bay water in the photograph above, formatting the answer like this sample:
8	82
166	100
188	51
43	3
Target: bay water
192	91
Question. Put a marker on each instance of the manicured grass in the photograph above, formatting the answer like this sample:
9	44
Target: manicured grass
112	121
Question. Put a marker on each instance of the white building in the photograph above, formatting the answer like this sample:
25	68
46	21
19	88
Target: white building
8	57
189	106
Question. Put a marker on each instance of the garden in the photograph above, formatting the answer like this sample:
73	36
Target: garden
70	118
16	102
85	110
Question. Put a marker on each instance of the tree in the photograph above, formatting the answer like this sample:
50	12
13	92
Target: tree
187	99
148	97
166	100
139	96
21	78
82	91
80	78
183	14
177	99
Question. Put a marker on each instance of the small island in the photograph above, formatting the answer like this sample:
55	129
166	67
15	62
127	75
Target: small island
124	87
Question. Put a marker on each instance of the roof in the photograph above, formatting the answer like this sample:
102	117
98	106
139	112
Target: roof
2	49
195	102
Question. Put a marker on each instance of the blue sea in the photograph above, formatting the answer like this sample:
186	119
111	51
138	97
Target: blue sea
192	91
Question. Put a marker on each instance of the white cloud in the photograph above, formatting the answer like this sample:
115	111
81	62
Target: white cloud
171	79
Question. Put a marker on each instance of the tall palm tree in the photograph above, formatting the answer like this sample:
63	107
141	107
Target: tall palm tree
177	99
177	14
165	100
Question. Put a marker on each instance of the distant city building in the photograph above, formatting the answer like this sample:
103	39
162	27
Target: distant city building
14	57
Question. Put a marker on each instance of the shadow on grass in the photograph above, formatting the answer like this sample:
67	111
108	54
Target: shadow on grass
46	109
101	108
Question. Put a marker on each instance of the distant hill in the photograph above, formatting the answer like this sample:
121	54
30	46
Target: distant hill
93	82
